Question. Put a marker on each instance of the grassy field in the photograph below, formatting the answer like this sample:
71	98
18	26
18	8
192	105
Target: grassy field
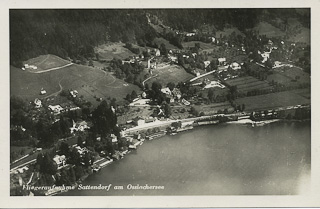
90	82
306	93
248	83
212	108
113	50
172	73
287	75
274	100
228	31
269	30
44	62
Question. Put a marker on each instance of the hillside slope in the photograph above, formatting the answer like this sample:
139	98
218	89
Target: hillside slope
90	82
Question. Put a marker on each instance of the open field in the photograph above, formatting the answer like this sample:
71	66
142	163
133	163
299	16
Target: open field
302	36
44	62
213	108
269	30
90	82
306	93
172	73
274	100
113	50
248	83
290	76
228	31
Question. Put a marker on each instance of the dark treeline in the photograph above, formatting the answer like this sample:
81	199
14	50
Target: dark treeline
74	33
189	19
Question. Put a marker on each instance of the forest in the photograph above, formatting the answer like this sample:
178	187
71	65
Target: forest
73	33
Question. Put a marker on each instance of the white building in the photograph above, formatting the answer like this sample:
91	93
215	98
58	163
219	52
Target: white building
55	108
74	93
42	92
37	103
222	60
166	91
235	66
60	161
206	63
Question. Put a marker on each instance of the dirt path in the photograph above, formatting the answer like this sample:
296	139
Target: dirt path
51	69
56	93
148	79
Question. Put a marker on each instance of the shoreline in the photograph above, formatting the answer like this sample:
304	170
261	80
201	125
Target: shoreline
162	133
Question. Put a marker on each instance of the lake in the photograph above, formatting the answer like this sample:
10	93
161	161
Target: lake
224	159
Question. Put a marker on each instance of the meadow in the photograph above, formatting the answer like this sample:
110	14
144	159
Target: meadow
173	73
90	82
274	100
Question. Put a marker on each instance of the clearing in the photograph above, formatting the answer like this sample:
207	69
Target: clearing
227	32
46	62
172	73
113	50
269	30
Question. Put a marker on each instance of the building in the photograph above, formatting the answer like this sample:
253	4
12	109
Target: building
80	126
42	92
176	93
37	103
185	102
60	161
55	109
222	61
166	91
114	138
81	150
143	95
74	93
235	66
206	63
190	34
157	52
196	72
214	84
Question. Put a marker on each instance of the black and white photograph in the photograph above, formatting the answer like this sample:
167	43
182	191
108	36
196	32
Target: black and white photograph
147	102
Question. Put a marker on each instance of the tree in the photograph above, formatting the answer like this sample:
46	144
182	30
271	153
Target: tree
64	149
210	95
194	111
128	98
80	141
243	107
171	85
167	110
134	94
163	49
47	165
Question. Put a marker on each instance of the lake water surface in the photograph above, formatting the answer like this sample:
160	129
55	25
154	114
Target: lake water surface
225	159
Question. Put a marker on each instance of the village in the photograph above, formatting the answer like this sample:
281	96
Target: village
204	83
